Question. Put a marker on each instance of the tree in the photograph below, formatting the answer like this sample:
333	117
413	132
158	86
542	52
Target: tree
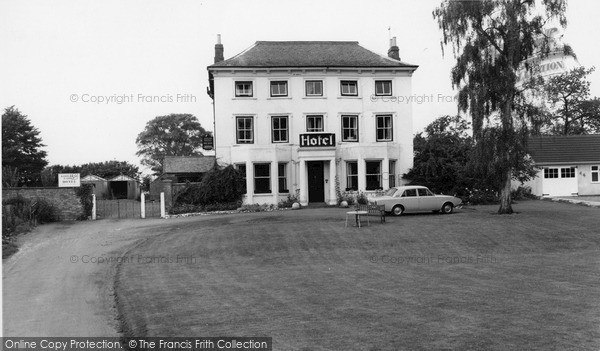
441	155
492	40
569	94
22	157
172	135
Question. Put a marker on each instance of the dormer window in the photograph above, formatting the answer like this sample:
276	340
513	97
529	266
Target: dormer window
349	88
243	89
279	88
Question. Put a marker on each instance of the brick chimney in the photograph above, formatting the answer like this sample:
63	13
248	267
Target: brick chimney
219	50
394	51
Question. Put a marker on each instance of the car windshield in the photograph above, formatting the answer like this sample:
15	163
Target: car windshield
391	192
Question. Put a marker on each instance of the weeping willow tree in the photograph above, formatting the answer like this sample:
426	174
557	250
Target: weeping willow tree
492	40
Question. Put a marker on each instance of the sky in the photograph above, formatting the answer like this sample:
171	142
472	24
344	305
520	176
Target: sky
68	64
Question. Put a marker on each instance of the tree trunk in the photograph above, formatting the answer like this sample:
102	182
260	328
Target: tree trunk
505	196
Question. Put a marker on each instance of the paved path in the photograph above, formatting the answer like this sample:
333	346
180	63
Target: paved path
47	293
593	201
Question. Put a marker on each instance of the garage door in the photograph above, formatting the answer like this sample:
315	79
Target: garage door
560	181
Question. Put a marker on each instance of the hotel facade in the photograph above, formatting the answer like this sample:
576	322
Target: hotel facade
312	118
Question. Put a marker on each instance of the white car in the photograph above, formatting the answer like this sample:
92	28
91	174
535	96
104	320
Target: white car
416	198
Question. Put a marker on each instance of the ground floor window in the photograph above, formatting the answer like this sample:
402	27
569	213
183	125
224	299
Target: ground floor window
567	172
373	175
392	174
550	173
595	174
241	167
351	175
282	174
262	178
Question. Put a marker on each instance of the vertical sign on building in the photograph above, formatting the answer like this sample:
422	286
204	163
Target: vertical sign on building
68	180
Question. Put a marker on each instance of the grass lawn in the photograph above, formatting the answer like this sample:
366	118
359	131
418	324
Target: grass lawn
470	280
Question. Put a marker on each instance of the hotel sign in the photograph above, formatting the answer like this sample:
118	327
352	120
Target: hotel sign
66	180
317	140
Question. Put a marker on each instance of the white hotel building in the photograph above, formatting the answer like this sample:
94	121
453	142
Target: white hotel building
295	115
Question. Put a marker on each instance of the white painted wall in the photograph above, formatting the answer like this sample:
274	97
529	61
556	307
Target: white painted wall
296	105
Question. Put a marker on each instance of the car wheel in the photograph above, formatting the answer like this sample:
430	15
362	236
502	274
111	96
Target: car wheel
447	208
397	210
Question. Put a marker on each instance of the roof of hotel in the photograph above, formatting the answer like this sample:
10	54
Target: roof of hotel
264	54
565	149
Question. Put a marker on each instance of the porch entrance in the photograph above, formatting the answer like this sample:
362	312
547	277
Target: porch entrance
316	180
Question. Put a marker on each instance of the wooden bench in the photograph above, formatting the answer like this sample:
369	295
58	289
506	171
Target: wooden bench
373	210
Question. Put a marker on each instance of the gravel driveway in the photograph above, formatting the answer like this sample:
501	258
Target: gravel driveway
54	285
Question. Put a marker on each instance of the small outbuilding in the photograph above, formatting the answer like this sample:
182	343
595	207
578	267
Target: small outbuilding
179	170
569	165
123	187
99	184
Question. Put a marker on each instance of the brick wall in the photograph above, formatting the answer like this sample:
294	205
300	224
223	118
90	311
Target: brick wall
66	201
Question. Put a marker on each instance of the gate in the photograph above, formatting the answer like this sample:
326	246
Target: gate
125	208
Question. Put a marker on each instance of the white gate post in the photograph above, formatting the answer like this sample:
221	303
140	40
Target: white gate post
162	206
143	205
94	207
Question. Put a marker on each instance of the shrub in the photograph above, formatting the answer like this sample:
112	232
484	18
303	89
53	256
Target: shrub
480	197
256	208
287	203
85	192
189	208
220	185
361	198
522	193
44	211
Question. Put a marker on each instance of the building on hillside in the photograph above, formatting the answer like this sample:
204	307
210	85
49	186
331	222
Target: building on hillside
569	165
99	184
312	117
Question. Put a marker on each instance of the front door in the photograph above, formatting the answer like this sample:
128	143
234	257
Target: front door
316	188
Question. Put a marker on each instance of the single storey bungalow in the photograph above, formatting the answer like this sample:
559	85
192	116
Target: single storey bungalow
569	165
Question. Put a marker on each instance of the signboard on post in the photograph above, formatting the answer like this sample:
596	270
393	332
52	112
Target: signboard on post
207	142
68	180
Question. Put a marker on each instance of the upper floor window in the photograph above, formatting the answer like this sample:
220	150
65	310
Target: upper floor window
279	88
349	87
314	88
245	129
314	123
243	89
279	127
350	128
383	87
384	128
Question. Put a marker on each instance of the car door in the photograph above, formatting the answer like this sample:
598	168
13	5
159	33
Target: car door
427	200
409	200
